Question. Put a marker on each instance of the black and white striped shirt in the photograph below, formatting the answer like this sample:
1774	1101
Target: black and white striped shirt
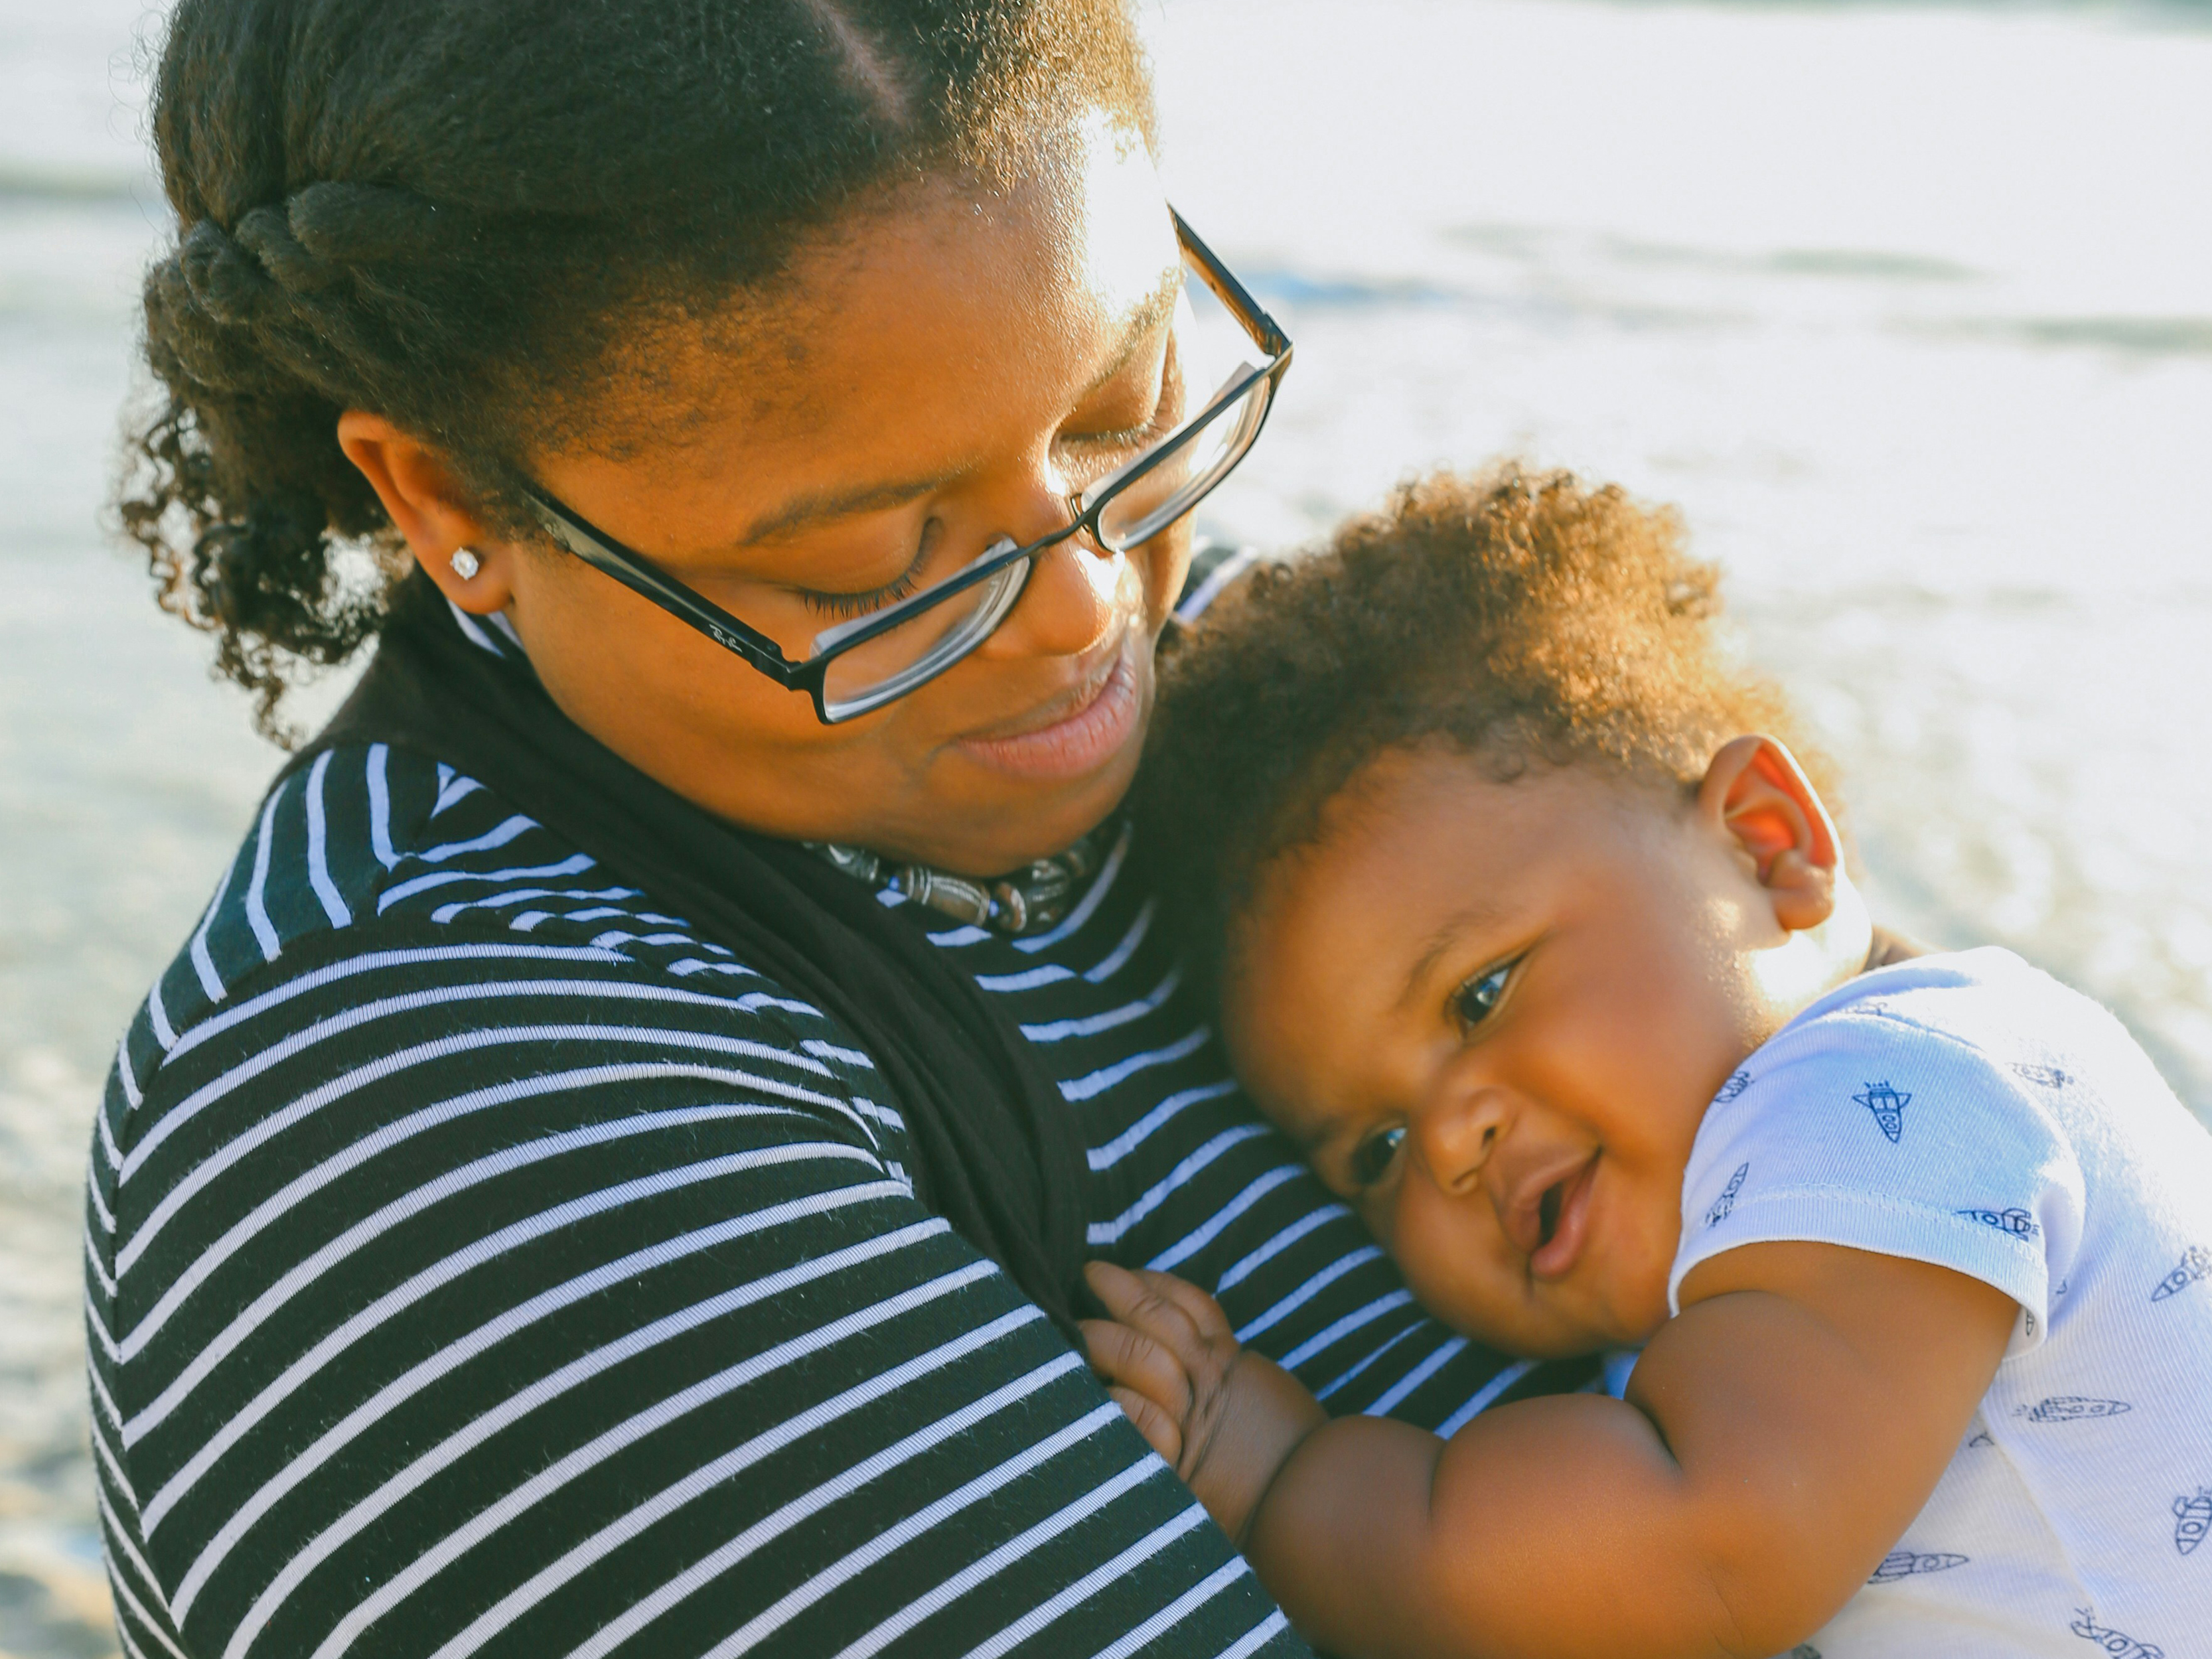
480	1263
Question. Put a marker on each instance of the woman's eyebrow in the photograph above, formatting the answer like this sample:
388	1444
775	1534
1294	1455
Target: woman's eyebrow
813	506
1157	307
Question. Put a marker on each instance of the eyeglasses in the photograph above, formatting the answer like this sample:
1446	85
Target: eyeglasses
861	663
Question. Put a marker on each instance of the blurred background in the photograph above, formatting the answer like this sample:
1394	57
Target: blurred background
1908	308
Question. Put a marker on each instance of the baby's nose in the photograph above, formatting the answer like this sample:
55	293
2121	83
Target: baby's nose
1458	1135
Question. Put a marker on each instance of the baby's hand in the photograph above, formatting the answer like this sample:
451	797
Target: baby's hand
1225	1418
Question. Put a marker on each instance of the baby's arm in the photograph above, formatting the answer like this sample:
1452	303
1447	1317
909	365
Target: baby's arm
1777	1440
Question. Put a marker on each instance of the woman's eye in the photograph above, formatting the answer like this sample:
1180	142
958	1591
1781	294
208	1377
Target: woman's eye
1372	1157
875	598
1473	1001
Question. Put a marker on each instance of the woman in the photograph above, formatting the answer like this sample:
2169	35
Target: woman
610	1169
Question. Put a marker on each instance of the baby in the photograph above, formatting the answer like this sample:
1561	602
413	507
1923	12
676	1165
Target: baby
1536	933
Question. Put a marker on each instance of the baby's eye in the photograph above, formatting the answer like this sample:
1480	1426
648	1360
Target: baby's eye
1371	1159
1473	1001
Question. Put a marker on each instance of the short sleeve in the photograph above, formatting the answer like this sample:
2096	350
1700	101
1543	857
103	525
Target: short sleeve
1869	1126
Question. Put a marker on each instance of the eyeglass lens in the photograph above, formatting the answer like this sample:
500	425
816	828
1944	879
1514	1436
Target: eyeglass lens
1215	355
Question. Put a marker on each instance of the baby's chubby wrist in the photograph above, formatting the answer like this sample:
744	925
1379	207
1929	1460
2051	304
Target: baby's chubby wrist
1225	1418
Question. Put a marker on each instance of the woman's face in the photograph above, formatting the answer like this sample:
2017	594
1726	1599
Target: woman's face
937	374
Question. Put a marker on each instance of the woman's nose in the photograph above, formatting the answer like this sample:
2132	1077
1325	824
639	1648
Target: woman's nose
1456	1133
1076	595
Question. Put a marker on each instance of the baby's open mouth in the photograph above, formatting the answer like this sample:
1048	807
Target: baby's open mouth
1548	1212
1563	1216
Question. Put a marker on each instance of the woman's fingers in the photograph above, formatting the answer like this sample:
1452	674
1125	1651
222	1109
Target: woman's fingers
1136	1361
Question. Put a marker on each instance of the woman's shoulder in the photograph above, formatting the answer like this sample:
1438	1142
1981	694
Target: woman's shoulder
381	885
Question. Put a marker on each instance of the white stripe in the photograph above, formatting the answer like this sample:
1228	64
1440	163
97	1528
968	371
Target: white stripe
429	1117
1112	962
304	1273
1110	1232
452	790
822	1050
499	619
883	1115
1088	903
1091	1024
574	865
1327	1338
782	1519
1446	1351
157	1016
953	938
106	1455
498	835
119	1533
1306	1293
1051	973
99	1204
1176	1611
1247	1265
415	1001
943	1595
257	906
110	1153
445	913
1195	604
1191	1243
319	865
100	1275
1259	1635
462	1441
1345	1377
399	1299
99	1330
1489	1391
316	979
891	1538
203	963
123	1070
379	806
105	1400
1090	1584
139	1611
1098	1082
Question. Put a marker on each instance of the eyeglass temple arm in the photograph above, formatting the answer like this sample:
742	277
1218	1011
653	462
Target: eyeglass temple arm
1231	291
639	574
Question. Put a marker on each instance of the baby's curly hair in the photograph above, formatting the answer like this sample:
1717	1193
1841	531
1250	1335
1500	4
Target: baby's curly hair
1526	618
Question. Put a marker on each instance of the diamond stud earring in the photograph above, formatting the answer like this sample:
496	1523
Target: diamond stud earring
465	564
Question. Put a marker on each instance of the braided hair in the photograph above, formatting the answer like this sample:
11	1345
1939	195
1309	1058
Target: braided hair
453	213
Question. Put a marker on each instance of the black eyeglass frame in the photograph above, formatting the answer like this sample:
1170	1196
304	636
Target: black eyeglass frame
641	576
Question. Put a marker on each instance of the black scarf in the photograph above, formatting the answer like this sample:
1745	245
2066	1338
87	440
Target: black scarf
996	1150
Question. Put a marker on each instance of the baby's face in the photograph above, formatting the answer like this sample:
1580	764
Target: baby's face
1492	1015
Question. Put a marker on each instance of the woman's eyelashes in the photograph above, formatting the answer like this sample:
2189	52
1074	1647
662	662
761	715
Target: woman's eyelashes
875	598
1477	998
1372	1157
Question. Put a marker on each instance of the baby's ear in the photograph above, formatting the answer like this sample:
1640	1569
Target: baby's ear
1756	793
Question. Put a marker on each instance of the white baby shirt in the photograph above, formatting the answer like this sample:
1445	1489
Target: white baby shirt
1970	1111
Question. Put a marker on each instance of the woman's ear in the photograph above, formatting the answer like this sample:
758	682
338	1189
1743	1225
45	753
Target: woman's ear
1755	792
425	501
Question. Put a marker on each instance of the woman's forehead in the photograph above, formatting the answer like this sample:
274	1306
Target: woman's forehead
926	336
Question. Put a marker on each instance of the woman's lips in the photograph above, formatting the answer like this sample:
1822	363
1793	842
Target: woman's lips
1567	1223
1073	736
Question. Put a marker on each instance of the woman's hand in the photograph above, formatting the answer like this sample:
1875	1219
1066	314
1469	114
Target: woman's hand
1225	1419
